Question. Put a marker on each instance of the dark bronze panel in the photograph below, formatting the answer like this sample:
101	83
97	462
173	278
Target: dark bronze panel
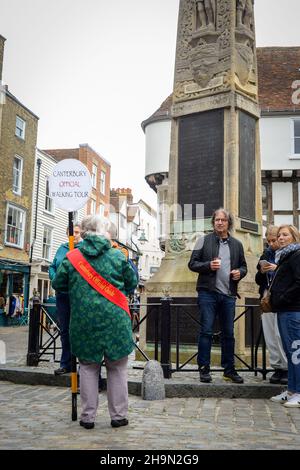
247	181
251	226
185	315
200	160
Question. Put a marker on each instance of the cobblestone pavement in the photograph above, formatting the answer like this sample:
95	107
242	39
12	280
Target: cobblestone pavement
38	417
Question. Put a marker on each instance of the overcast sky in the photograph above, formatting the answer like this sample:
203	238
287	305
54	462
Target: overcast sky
92	70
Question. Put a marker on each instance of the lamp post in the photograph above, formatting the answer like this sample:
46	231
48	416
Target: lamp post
142	239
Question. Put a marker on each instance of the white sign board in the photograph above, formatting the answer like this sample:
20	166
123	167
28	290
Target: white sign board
70	184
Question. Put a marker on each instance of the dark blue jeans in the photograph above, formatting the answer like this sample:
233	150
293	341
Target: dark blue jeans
210	305
289	329
63	313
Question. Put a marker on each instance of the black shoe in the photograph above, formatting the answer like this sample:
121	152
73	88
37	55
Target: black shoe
116	423
61	371
275	378
87	425
205	374
234	377
284	377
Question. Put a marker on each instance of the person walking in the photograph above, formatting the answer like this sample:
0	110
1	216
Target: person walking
266	268
285	298
98	277
63	304
219	259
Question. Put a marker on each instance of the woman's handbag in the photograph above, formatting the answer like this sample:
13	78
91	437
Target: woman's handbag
265	301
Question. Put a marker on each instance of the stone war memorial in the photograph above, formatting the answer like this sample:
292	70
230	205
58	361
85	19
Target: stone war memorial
214	158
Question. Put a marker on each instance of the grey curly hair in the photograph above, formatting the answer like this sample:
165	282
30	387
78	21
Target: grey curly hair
97	225
227	214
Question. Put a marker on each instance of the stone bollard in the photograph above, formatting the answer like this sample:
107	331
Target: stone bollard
153	387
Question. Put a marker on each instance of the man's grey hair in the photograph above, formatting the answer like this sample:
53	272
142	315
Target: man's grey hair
227	214
96	225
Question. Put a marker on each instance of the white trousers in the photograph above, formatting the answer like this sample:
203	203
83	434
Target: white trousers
117	389
273	341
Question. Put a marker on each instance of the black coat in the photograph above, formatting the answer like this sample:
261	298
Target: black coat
262	279
206	249
285	290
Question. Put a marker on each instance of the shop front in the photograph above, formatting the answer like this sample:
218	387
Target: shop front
39	279
14	290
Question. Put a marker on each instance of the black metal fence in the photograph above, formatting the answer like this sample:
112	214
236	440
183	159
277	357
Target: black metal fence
166	322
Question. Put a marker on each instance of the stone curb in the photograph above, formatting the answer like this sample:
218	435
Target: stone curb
174	388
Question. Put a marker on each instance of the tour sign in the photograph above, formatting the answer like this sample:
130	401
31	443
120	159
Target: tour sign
70	184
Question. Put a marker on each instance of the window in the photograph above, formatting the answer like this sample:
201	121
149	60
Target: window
101	210
93	206
47	242
20	127
48	199
94	175
17	175
102	182
282	196
15	224
296	136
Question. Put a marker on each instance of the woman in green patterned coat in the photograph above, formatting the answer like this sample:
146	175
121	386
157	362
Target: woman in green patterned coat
98	327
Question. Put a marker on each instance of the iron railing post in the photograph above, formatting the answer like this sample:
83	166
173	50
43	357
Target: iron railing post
34	333
264	357
165	358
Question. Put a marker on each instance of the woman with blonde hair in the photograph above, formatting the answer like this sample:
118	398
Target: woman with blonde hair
285	298
266	268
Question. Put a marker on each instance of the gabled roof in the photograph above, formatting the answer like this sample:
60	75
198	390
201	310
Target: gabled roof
278	69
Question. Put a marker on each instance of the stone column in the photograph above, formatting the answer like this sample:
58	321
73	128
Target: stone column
214	154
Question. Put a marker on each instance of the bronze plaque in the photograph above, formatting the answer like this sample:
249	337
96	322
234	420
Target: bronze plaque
251	226
247	184
200	161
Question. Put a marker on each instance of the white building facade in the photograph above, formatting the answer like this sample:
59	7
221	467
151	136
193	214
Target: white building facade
137	229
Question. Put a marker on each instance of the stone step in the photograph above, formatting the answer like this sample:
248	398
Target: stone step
179	387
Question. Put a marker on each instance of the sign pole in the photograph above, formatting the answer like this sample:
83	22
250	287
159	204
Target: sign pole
70	185
73	358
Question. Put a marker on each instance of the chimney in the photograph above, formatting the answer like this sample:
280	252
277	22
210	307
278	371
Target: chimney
2	41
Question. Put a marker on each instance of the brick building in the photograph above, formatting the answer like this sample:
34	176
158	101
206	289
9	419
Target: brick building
99	169
18	135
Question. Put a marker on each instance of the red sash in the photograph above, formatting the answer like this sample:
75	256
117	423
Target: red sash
98	282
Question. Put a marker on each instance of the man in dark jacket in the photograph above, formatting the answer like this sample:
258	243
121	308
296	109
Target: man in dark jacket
219	259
